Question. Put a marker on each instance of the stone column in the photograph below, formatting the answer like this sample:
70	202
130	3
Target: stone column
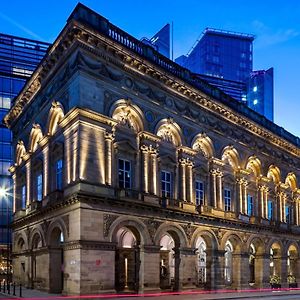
284	271
189	273
28	183
178	270
219	191
296	212
245	197
240	274
262	270
283	207
279	201
261	211
239	196
190	186
145	166
108	137
182	188
46	171
218	263
154	169
151	265
266	202
213	188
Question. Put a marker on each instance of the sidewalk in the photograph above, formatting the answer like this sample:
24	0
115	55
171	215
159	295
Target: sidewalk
204	295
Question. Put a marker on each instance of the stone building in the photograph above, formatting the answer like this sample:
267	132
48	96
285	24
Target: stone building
131	174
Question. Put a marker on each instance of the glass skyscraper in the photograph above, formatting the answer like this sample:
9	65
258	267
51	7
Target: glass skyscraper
225	60
18	59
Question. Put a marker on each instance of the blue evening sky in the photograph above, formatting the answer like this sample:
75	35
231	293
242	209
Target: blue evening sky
276	25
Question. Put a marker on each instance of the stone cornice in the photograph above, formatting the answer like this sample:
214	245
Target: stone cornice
134	62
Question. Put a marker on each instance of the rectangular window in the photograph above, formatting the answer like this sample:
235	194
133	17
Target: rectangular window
227	199
288	215
250	205
166	184
39	187
23	196
270	209
199	188
59	174
124	174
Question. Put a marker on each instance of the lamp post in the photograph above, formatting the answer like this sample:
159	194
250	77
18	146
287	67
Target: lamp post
4	194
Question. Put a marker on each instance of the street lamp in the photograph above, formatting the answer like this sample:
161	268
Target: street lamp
4	194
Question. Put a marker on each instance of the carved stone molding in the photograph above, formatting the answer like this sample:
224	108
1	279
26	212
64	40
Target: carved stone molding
108	219
152	226
189	230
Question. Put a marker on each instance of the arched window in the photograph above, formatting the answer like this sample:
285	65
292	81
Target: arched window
252	263
228	262
201	260
272	269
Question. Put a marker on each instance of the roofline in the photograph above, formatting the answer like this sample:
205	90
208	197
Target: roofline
25	39
246	36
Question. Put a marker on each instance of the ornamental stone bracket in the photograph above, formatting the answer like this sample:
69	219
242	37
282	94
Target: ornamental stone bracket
108	219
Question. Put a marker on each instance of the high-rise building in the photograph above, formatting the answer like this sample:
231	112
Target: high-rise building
224	59
18	59
160	41
260	92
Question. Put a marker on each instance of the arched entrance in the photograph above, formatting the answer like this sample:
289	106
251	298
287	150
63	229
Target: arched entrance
127	260
292	260
228	263
169	262
36	244
252	254
201	262
56	260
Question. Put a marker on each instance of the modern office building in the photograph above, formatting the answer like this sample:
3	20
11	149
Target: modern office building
260	92
225	60
133	174
160	41
18	59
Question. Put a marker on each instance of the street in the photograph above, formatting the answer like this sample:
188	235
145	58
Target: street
268	295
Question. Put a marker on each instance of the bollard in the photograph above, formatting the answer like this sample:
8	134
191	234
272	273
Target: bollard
8	287
20	291
14	289
0	287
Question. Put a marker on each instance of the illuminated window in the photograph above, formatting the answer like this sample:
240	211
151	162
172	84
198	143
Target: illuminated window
288	215
250	205
255	101
227	199
270	209
255	89
165	184
59	174
39	187
124	174
228	262
199	189
23	196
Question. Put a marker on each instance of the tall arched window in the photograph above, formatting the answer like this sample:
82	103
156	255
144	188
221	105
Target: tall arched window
252	263
201	260
228	262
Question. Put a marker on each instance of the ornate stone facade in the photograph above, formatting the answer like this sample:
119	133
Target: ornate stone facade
129	175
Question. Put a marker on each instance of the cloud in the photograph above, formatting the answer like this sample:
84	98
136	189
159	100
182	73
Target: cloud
20	26
267	37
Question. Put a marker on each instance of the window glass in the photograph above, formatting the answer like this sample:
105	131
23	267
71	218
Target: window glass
199	189
23	197
270	209
59	174
165	184
227	199
39	187
124	174
250	205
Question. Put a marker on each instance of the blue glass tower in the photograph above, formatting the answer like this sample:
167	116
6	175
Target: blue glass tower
18	59
224	59
260	92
